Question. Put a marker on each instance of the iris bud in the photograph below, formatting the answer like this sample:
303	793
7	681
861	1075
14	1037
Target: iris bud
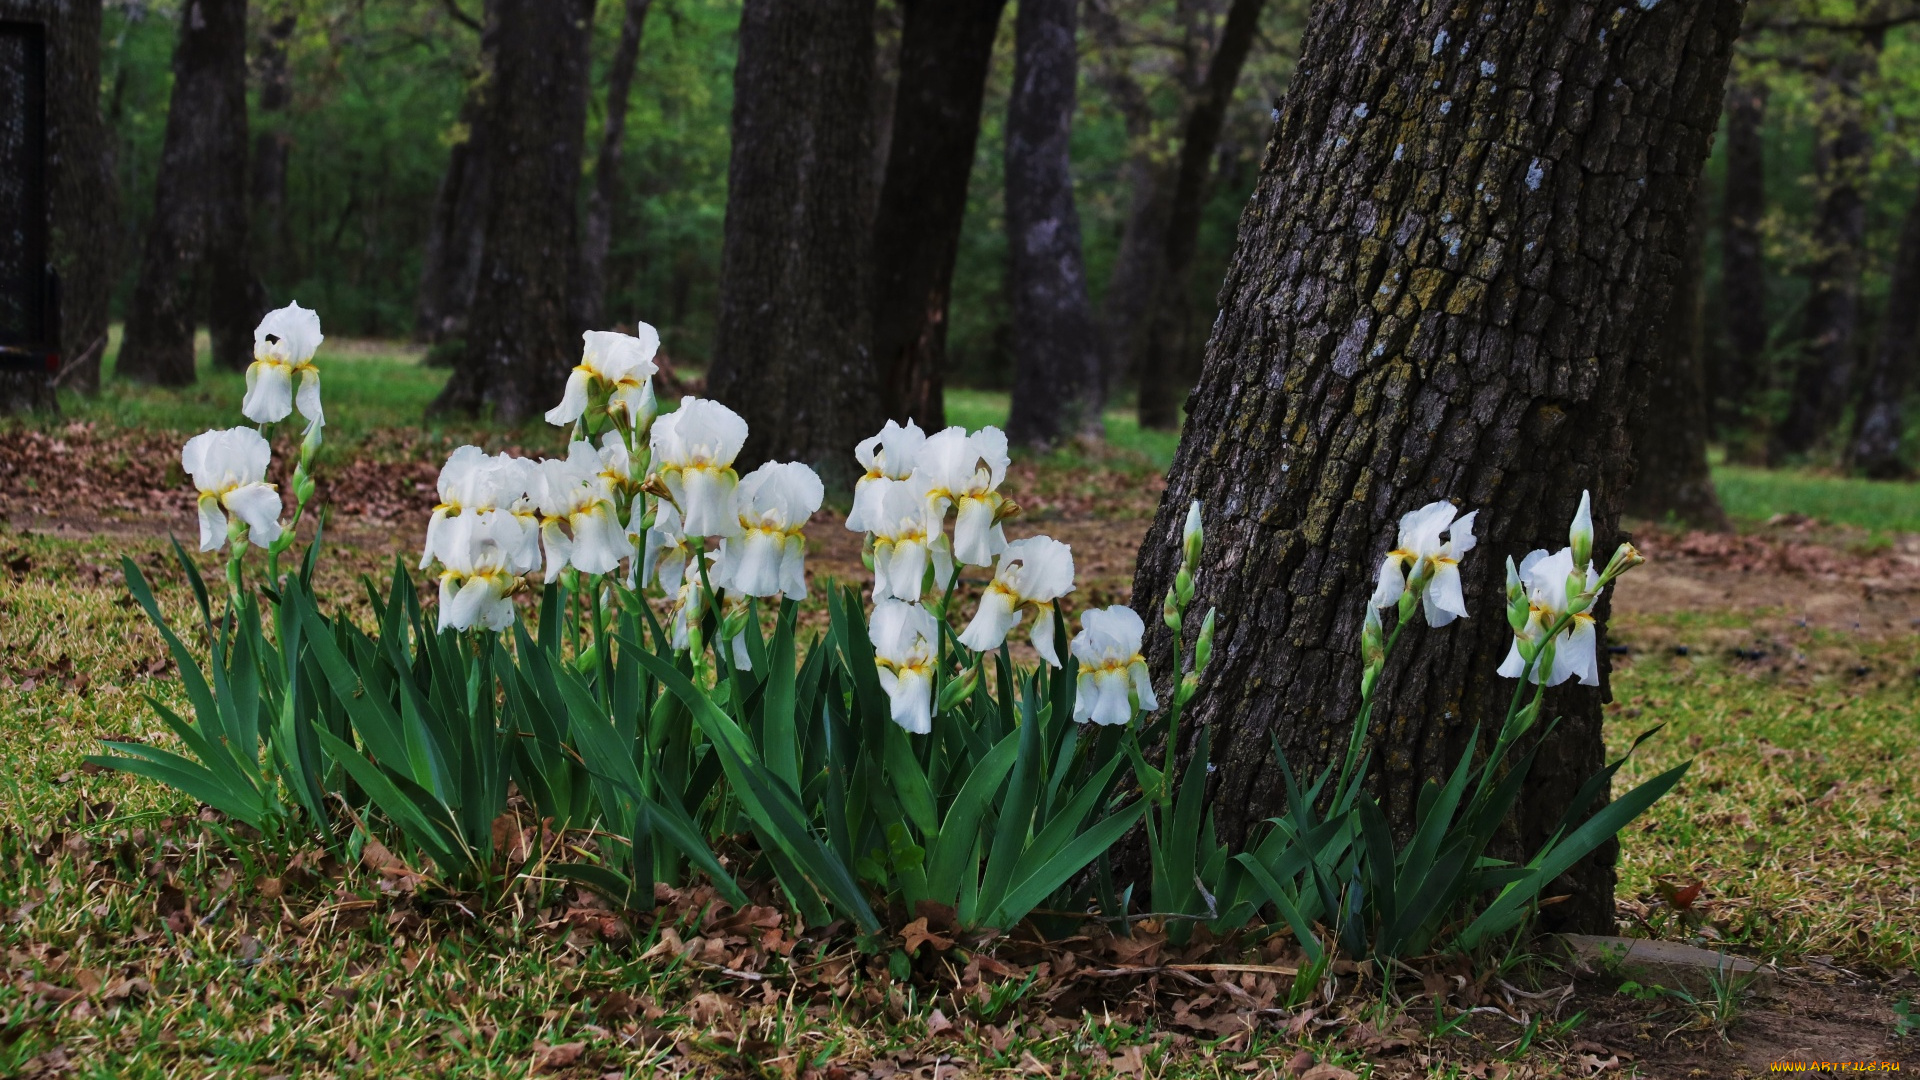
1580	535
1203	649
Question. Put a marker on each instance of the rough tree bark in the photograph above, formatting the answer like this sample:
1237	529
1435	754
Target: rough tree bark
1165	328
82	214
195	244
1743	268
519	343
1671	478
271	145
1057	385
1447	285
1824	372
603	202
1879	418
945	49
450	263
793	352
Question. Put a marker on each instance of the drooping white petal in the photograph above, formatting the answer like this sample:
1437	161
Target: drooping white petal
995	618
308	400
665	553
259	506
977	541
1444	600
269	392
706	500
213	524
1044	633
909	698
905	640
573	400
599	543
1393	582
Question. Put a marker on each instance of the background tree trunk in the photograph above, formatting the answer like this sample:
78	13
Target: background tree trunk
1743	268
1163	348
792	353
603	202
1879	419
196	241
82	218
518	342
1419	310
1824	373
271	144
1142	255
1057	387
450	263
1671	477
945	49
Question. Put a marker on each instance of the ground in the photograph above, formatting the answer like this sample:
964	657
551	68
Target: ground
1784	658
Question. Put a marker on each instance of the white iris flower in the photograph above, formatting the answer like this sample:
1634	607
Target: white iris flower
963	471
1545	577
888	456
230	470
1423	561
619	365
1112	670
1033	573
767	555
693	451
901	547
905	642
473	483
574	494
482	573
283	346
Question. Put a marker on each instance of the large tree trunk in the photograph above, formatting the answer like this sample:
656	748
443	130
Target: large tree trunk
196	241
519	343
792	354
271	146
1167	324
1418	310
1824	373
1057	386
1671	477
1880	416
80	209
1743	268
945	49
603	202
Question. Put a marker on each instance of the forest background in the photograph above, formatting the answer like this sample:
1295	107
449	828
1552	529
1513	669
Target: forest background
1825	147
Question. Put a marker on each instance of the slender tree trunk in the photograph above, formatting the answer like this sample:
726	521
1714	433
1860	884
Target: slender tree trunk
793	351
1421	310
1142	255
450	265
271	145
81	212
1168	323
603	202
1879	419
1057	386
196	242
1825	370
1743	268
519	344
945	49
1671	478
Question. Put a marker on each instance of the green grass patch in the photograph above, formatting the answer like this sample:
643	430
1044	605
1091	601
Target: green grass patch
1756	495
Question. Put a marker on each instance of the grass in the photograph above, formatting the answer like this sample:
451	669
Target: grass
1752	495
135	945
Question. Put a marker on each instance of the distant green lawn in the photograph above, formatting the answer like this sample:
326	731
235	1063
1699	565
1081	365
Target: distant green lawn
1755	495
